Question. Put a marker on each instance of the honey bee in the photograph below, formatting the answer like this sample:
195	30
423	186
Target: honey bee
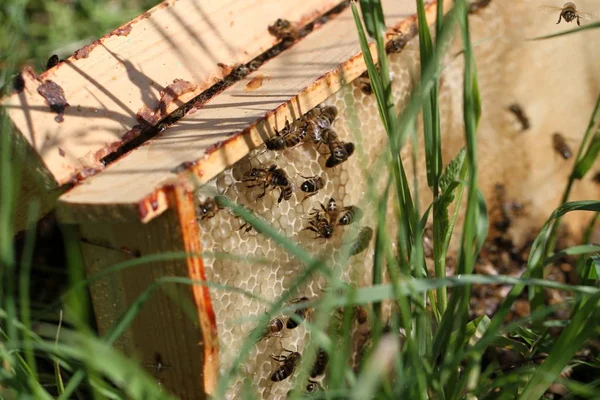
289	363
361	314
364	83
52	61
331	206
320	364
274	328
209	208
569	12
596	177
284	30
312	386
271	176
318	119
560	145
339	150
300	313
520	114
362	241
312	185
350	214
239	72
320	224
396	44
291	136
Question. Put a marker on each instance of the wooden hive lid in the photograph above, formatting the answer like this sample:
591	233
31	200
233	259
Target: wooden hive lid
207	141
111	80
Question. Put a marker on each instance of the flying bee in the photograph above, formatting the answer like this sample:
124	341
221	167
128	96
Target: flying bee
52	61
560	145
289	363
209	208
520	114
350	214
320	364
274	328
271	176
364	83
284	30
300	313
312	185
569	12
362	241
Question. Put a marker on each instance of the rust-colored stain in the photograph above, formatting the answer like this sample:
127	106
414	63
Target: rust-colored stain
55	98
108	149
153	199
142	209
131	134
123	31
225	69
85	51
183	167
256	82
167	96
83	174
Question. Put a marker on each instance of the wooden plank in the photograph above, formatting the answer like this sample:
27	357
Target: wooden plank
109	81
182	339
233	122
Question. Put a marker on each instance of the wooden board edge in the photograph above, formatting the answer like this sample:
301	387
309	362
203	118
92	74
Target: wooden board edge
183	199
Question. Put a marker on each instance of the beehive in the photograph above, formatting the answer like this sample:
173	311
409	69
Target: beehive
143	202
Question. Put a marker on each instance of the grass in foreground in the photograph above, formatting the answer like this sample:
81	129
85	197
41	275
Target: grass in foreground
428	349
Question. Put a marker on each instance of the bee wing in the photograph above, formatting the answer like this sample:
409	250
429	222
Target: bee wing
550	9
587	16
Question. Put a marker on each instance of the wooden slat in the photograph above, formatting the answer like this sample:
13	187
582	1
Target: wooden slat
232	123
126	70
177	323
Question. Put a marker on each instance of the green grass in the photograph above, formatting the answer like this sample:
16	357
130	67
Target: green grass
440	352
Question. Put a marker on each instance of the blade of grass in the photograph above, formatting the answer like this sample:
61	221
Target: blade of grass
581	328
24	282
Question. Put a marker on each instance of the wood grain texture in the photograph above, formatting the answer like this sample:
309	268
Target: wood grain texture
232	123
172	323
109	81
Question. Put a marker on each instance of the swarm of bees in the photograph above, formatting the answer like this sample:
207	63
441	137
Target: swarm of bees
314	127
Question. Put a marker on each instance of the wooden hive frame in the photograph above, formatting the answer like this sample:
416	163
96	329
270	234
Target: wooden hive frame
143	202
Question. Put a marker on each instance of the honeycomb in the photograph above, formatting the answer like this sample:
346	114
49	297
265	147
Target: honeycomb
497	32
